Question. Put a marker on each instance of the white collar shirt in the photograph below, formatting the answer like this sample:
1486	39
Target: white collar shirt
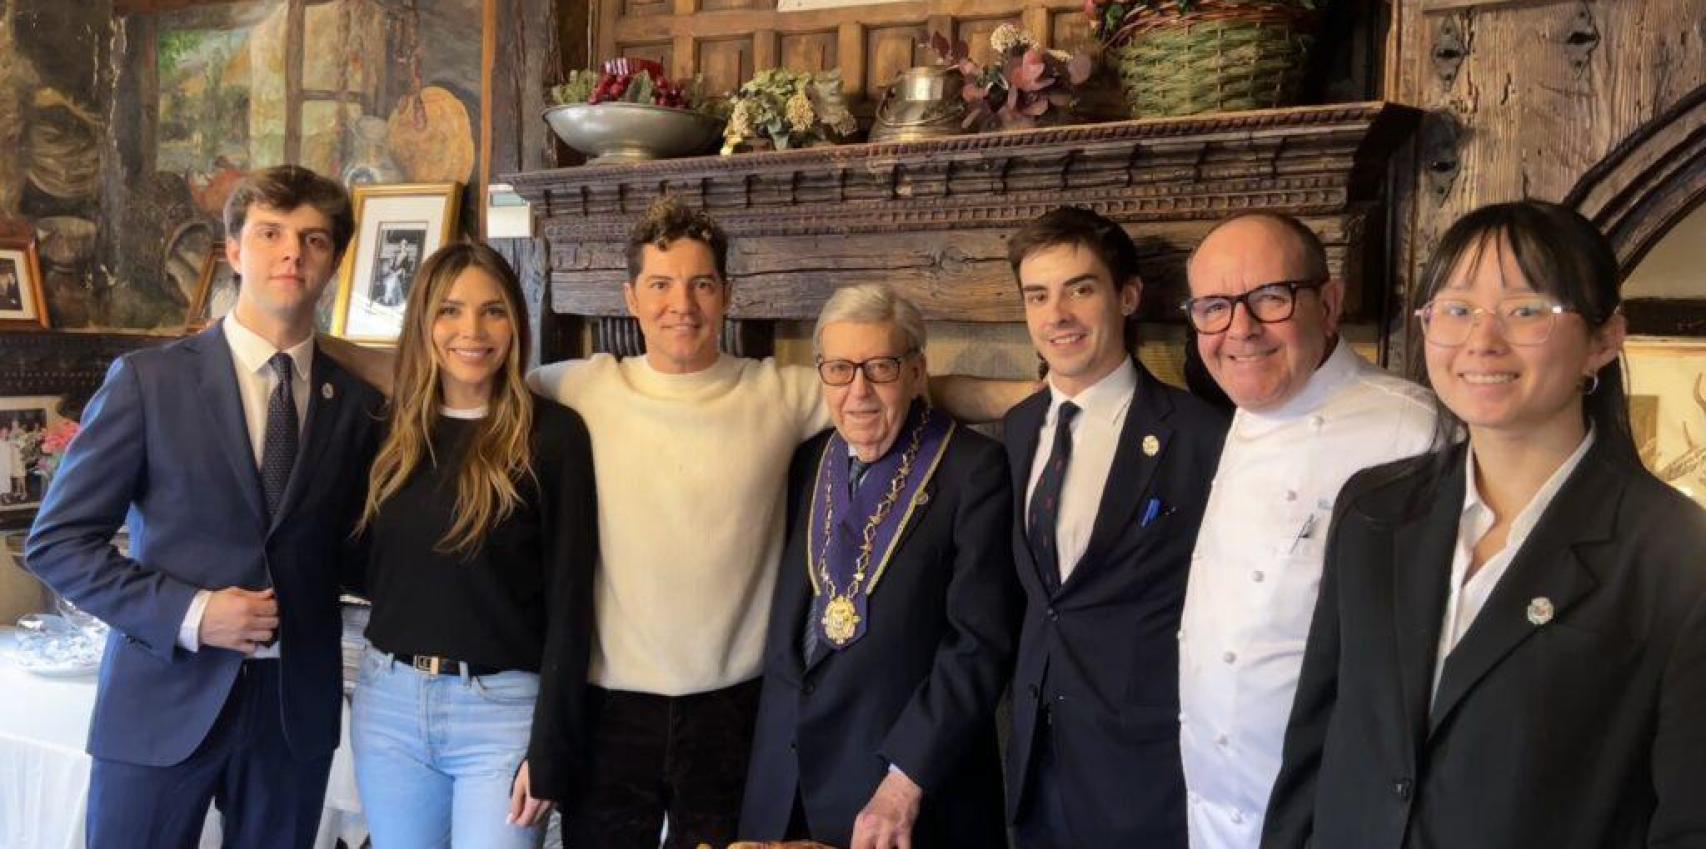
1468	596
255	382
256	379
1095	435
1256	571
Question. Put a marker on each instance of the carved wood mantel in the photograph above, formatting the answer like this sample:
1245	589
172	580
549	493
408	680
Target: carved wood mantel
931	218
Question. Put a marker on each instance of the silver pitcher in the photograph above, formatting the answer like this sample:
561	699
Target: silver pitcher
922	103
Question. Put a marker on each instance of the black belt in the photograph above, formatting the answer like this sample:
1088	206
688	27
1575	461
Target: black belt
432	665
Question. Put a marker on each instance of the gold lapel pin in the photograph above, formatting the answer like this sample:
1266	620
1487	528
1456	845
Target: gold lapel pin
1151	445
1540	610
326	391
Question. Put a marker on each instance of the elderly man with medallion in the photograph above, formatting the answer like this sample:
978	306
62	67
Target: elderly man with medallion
895	614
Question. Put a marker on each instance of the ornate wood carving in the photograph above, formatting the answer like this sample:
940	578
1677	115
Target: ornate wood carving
68	364
1650	181
931	218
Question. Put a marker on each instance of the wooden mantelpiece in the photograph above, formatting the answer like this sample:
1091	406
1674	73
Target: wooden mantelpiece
931	218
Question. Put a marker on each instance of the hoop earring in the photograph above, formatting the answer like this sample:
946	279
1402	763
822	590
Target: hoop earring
1591	385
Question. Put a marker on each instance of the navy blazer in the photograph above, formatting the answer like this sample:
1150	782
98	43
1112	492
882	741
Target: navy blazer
1584	730
918	690
1101	654
164	449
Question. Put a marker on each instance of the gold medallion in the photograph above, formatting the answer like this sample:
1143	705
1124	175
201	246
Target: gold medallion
1151	445
840	620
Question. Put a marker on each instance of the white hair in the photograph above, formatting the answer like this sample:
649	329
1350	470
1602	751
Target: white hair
871	303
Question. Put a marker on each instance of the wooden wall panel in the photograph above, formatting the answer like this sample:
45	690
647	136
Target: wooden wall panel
1527	99
975	33
725	63
890	50
1070	30
808	51
869	44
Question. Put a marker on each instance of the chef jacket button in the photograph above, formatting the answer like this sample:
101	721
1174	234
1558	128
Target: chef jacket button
1291	495
1222	740
1238	817
1315	422
1229	657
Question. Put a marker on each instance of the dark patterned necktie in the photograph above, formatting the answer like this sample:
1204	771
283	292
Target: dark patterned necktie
1044	510
278	454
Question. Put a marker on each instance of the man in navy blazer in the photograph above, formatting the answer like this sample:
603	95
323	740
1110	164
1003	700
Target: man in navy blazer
1111	471
238	460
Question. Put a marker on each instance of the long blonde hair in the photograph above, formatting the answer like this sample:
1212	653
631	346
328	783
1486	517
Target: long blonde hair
498	454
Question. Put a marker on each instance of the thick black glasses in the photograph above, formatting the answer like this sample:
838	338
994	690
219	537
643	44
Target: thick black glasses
1269	304
876	369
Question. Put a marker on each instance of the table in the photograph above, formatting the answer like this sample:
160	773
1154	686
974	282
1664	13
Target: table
44	772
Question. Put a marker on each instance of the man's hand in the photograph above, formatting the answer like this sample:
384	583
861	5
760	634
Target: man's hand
886	822
524	810
238	619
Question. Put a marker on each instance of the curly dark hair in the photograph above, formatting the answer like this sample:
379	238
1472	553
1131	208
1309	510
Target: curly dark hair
669	220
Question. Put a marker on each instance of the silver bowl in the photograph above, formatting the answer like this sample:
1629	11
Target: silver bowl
633	132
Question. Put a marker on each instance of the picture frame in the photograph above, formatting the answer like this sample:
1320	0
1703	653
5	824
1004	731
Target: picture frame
24	421
23	298
397	228
1666	382
216	294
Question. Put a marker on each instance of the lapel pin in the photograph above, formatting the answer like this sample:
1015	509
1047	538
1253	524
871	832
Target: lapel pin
1151	445
1540	610
326	391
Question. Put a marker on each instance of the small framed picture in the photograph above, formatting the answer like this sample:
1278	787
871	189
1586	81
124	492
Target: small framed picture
397	228
215	294
33	438
23	304
1667	409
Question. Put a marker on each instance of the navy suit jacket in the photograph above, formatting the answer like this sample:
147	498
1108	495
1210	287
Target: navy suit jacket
1101	653
918	690
164	449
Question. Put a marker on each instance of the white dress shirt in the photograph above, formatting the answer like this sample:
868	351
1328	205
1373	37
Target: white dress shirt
1095	434
1256	572
255	383
1469	596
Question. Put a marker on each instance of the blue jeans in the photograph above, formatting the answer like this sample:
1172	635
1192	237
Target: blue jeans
436	756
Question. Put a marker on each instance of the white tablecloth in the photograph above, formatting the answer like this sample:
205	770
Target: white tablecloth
44	772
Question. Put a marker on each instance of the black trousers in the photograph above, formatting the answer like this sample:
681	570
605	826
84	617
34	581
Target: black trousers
1042	822
681	757
267	798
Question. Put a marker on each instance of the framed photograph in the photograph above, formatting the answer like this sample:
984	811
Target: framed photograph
28	452
1667	409
397	228
215	294
23	306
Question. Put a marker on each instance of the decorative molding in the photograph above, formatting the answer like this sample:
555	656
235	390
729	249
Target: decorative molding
931	217
64	363
1649	182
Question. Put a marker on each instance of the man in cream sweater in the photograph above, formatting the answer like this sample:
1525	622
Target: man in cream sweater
691	450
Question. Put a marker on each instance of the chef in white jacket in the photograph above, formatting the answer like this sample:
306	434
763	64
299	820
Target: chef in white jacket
1310	414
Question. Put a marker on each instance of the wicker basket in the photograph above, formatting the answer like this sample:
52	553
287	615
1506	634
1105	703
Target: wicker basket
1221	56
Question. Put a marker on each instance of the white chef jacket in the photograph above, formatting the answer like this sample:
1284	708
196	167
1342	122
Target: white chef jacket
1255	574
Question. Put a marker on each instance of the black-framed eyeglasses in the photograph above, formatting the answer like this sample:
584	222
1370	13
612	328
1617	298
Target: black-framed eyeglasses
876	369
1523	319
1269	304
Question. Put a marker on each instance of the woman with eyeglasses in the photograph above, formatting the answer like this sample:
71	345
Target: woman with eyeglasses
1509	649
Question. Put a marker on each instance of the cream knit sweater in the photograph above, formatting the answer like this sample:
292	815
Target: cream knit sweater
692	471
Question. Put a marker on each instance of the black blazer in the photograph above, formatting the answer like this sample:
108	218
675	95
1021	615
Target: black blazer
918	690
1586	731
1102	653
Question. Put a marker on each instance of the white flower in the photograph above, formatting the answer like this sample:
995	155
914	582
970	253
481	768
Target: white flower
1006	37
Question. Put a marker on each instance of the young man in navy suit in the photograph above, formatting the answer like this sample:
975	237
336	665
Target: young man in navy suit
238	459
1111	471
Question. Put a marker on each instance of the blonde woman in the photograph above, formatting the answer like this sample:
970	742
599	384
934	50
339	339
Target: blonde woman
481	536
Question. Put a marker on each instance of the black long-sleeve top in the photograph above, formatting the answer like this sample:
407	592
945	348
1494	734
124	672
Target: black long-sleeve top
521	600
